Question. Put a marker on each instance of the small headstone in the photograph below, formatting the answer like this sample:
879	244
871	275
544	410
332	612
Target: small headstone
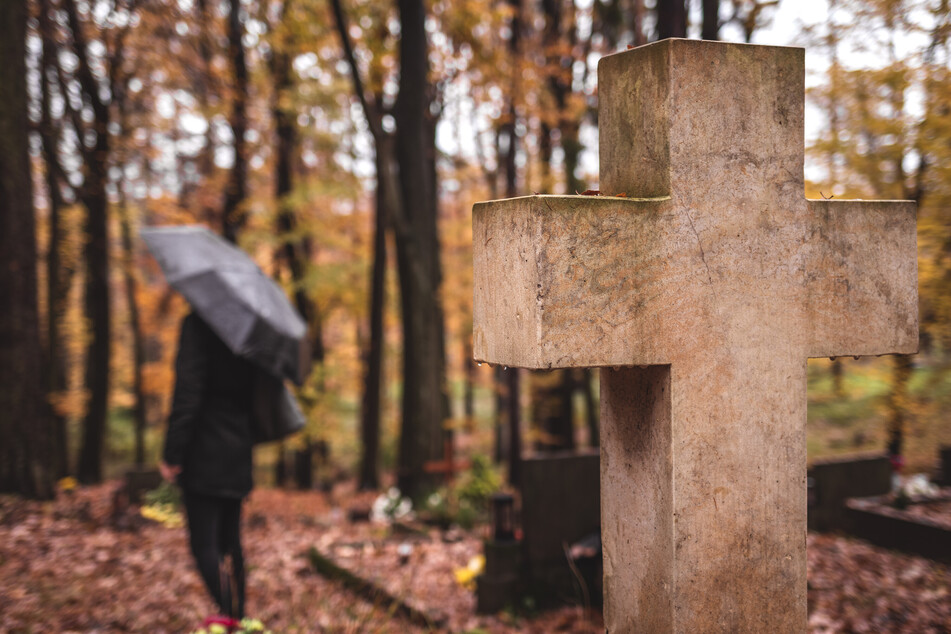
945	458
497	587
139	481
835	480
561	504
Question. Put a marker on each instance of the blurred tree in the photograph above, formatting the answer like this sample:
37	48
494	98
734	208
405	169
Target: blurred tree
93	143
886	133
297	251
58	275
751	15
564	110
828	98
233	213
619	22
418	259
119	82
404	144
25	424
508	388
711	20
387	202
671	19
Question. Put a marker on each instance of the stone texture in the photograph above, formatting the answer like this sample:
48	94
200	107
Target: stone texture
715	269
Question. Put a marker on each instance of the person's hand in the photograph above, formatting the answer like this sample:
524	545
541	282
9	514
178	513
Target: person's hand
169	472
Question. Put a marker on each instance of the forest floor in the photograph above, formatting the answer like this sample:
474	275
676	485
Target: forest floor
72	566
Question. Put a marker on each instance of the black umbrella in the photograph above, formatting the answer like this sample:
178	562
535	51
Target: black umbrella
245	307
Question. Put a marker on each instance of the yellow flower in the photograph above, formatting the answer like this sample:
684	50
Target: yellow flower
67	484
466	577
164	514
252	625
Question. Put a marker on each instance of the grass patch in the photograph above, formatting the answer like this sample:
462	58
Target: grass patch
856	420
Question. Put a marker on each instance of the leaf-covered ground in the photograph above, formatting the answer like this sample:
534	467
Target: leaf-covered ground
71	566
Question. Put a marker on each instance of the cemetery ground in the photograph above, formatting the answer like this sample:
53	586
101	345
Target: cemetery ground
66	566
70	566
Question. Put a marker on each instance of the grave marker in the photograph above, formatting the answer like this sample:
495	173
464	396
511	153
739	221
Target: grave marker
450	465
707	288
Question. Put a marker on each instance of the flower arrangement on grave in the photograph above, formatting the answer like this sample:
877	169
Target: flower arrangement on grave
916	488
466	501
163	505
225	625
391	506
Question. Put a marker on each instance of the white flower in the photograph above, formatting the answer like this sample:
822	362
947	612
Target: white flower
403	509
917	486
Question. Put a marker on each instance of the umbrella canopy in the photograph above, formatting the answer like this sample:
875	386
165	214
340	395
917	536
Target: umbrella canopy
245	307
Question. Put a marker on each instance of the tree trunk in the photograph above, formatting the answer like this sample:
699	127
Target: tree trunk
551	410
297	252
469	368
591	406
388	210
836	368
513	416
551	390
57	287
637	22
898	404
233	214
135	325
206	87
507	388
373	372
711	20
671	19
96	257
25	424
423	410
118	88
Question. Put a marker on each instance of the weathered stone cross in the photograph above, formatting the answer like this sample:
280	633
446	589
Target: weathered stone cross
705	289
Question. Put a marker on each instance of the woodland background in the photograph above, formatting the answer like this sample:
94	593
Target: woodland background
343	143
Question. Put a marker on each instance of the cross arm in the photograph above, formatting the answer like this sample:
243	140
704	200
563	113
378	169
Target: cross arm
563	281
861	283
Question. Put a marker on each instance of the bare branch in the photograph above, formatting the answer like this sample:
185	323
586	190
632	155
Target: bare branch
373	116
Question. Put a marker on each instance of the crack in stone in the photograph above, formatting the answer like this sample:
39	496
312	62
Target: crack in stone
703	256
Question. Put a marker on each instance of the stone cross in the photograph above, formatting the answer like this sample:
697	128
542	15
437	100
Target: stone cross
450	465
700	284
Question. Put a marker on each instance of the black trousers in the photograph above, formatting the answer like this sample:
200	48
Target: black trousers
214	531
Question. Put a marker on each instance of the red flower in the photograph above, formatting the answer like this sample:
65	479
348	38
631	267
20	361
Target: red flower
226	621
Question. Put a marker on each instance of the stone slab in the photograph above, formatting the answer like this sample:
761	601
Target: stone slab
875	521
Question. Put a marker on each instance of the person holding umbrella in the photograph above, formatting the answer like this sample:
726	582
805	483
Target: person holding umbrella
208	450
239	343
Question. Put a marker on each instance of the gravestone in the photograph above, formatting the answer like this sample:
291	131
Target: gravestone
139	481
835	480
560	506
705	288
944	459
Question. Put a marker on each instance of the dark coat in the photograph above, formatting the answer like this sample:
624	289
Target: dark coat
209	429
